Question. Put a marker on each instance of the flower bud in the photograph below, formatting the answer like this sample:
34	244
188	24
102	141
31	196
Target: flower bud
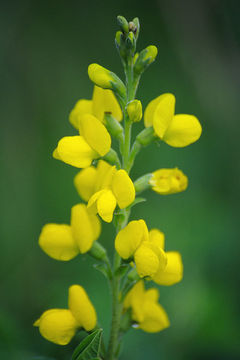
123	24
113	126
145	58
137	27
131	42
98	252
168	181
118	38
134	110
106	79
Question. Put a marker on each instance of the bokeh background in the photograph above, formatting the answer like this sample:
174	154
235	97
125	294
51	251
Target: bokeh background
46	47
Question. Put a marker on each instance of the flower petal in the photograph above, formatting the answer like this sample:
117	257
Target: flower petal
173	272
163	114
155	318
81	307
85	227
123	188
152	295
103	168
57	325
157	238
106	205
57	241
81	107
183	131
146	259
95	134
163	101
105	101
85	182
129	238
134	300
75	151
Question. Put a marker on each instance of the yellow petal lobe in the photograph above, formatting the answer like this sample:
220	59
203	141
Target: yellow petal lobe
56	241
81	107
75	151
85	182
81	307
103	101
173	272
157	238
146	259
151	108
129	238
85	227
183	131
106	205
155	318
57	325
123	188
163	114
95	134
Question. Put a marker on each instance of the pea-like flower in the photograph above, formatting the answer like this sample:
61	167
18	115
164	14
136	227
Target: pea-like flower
147	250
103	101
104	188
145	309
176	130
168	181
93	142
60	325
106	79
64	242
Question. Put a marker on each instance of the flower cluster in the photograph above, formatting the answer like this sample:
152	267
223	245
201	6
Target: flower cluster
108	193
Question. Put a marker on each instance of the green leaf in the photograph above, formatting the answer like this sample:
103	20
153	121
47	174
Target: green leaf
89	348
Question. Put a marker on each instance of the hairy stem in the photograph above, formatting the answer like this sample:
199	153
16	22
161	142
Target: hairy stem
115	281
116	311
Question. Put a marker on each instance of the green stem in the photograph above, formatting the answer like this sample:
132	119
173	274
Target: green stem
127	143
116	311
121	222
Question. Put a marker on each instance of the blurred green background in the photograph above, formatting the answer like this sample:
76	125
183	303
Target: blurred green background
46	47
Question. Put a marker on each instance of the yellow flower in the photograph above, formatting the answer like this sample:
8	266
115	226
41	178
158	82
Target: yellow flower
90	180
147	249
93	142
176	130
102	101
106	79
60	325
104	188
168	181
118	190
100	76
64	242
146	311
